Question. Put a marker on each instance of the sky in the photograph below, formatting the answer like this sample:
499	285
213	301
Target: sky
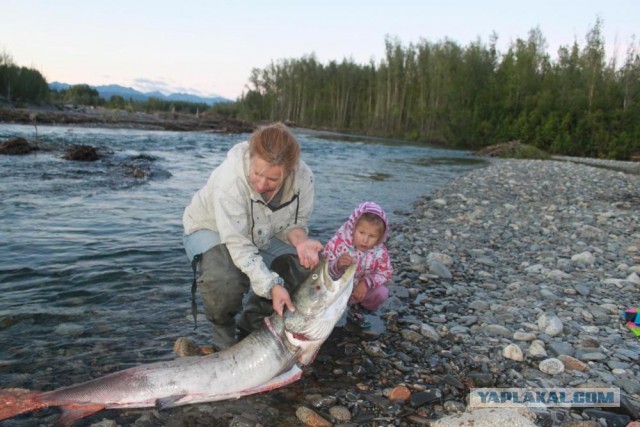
209	47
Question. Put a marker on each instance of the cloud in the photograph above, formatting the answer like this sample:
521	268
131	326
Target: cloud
146	85
150	85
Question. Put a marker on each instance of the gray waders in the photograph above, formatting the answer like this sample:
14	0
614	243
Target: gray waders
223	287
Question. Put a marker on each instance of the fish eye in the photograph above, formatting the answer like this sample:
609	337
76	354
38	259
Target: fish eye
314	276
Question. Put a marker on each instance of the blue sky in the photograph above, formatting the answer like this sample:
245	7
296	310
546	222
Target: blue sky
210	47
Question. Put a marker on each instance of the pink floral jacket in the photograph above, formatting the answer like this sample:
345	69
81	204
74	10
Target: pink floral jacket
373	266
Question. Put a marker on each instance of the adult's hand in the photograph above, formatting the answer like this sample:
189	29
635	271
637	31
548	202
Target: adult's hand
280	298
306	248
308	251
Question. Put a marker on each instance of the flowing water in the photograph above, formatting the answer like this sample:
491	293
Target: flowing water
93	276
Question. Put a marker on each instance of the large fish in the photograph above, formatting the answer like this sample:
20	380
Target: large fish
267	359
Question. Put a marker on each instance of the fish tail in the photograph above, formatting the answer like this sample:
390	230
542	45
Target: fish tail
16	401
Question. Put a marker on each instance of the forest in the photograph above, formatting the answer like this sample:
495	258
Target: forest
578	103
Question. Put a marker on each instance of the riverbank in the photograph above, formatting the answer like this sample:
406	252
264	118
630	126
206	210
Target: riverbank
103	117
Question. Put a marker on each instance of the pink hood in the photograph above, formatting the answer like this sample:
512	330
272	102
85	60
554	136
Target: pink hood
374	265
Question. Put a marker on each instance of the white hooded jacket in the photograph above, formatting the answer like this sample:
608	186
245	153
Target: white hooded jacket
227	204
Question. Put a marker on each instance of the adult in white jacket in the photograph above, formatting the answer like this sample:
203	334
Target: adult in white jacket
247	229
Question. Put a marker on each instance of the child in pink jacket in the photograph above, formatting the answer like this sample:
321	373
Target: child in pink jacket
360	240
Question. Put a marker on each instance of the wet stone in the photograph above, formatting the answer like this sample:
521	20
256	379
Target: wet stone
481	379
382	403
497	330
628	407
631	386
340	413
83	153
592	356
311	418
452	381
453	406
418	420
242	421
611	419
400	393
572	364
425	397
19	146
557	348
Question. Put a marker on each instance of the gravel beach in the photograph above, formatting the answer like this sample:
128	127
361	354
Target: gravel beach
515	275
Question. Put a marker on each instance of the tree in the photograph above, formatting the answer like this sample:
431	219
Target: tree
82	95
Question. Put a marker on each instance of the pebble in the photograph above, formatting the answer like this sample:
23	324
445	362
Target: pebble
429	332
550	324
311	418
537	348
400	392
340	413
523	336
572	364
551	366
513	352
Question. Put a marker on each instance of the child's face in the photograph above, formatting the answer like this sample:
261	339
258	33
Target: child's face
366	235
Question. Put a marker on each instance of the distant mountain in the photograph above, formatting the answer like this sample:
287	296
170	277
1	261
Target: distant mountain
107	91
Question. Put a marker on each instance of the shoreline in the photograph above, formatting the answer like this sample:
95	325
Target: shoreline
102	117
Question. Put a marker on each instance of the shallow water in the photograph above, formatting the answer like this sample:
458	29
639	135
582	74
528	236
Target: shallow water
93	274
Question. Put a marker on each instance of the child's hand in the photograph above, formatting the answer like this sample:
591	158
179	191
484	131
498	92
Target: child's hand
359	291
344	261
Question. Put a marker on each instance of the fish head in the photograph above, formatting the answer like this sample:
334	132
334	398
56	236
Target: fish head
320	302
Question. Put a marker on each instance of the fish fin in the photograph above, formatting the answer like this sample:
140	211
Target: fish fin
16	401
75	411
169	401
281	380
307	359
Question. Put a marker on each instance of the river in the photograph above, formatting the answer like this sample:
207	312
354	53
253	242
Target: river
93	274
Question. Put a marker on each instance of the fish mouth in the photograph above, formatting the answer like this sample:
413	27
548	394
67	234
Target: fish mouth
327	280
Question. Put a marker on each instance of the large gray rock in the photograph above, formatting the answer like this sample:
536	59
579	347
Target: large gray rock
489	417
